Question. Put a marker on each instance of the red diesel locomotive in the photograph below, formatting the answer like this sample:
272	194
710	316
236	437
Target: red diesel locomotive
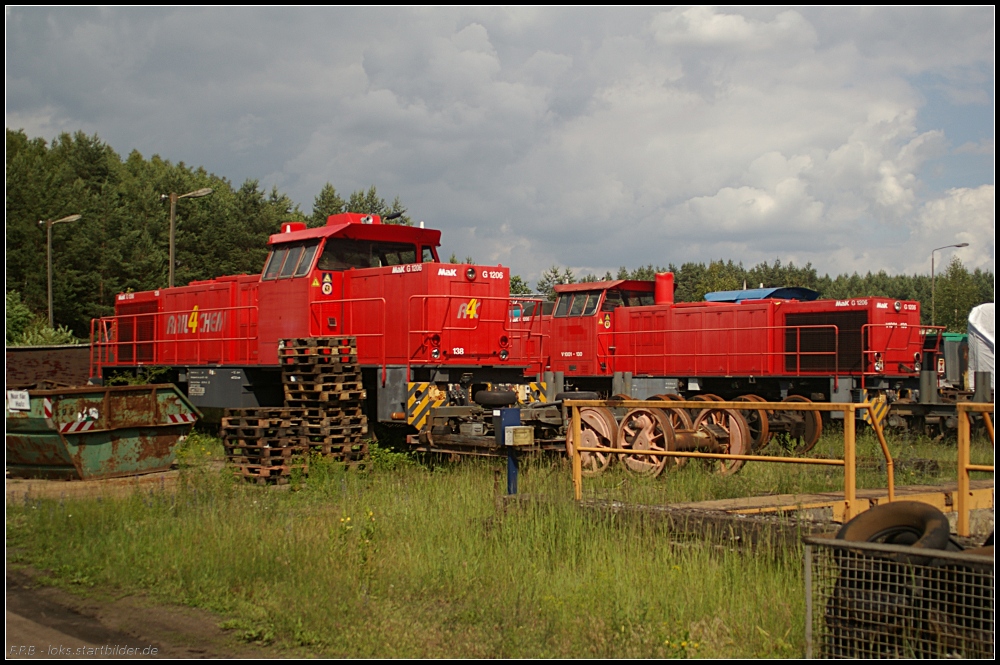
442	344
415	319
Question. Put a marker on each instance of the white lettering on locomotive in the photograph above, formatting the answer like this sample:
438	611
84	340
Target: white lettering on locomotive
447	272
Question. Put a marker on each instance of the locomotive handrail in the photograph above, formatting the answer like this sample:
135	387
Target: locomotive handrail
520	332
729	355
869	354
317	305
106	347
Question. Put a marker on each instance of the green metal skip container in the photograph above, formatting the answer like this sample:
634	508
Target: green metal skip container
95	432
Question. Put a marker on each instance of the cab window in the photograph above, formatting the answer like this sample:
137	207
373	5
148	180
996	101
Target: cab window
581	303
615	298
344	253
291	260
274	262
305	263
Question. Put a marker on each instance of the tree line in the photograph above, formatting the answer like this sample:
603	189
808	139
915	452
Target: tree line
121	241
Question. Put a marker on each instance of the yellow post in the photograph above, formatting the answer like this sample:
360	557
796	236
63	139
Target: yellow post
850	470
964	457
577	462
890	474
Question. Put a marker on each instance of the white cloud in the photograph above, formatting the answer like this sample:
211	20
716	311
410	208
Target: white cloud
704	26
533	136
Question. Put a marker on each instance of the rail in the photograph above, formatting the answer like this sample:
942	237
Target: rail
965	466
187	327
318	307
730	353
851	505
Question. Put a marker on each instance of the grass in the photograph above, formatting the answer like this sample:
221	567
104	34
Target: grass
413	561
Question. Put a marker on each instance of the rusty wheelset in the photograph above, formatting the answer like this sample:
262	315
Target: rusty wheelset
667	429
707	430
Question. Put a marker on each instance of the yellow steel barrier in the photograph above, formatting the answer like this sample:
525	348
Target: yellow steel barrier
964	500
852	506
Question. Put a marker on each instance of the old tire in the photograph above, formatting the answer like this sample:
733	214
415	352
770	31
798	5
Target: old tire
900	523
496	397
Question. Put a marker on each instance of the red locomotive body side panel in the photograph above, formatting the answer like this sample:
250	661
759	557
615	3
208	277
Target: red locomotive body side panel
699	339
208	322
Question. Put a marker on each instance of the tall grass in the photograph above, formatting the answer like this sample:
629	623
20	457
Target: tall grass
416	562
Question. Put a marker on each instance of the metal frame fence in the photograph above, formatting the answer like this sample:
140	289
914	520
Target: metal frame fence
852	506
870	600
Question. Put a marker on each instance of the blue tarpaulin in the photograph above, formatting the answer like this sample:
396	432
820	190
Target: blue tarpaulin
781	293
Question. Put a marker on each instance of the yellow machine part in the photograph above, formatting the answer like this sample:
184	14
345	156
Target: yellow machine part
421	397
879	405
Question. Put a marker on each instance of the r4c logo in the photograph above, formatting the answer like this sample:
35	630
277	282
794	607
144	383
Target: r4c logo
467	310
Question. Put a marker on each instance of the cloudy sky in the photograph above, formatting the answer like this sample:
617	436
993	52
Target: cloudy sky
855	139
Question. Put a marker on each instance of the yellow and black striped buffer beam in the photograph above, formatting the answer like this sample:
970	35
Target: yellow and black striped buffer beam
421	397
534	392
880	406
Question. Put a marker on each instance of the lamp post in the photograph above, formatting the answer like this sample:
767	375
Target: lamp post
963	244
173	196
48	252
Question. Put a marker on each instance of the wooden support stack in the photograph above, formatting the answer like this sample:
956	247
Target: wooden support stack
265	444
323	386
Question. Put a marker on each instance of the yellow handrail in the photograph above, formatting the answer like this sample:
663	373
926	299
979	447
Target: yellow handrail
852	506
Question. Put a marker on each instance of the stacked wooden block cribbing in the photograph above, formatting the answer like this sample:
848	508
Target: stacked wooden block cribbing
323	385
265	445
323	413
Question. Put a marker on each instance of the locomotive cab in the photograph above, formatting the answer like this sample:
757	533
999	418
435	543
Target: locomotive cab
582	323
307	266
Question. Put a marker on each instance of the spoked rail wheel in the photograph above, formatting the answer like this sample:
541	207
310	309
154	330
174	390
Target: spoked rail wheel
805	428
730	429
679	419
598	429
760	432
645	429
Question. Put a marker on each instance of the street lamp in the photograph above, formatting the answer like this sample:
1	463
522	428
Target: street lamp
964	244
173	196
48	247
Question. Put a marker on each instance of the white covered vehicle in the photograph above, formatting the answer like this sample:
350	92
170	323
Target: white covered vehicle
982	322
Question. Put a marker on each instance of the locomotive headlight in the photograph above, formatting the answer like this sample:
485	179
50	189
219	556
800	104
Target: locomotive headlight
504	354
879	363
435	353
898	306
470	274
504	341
916	361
